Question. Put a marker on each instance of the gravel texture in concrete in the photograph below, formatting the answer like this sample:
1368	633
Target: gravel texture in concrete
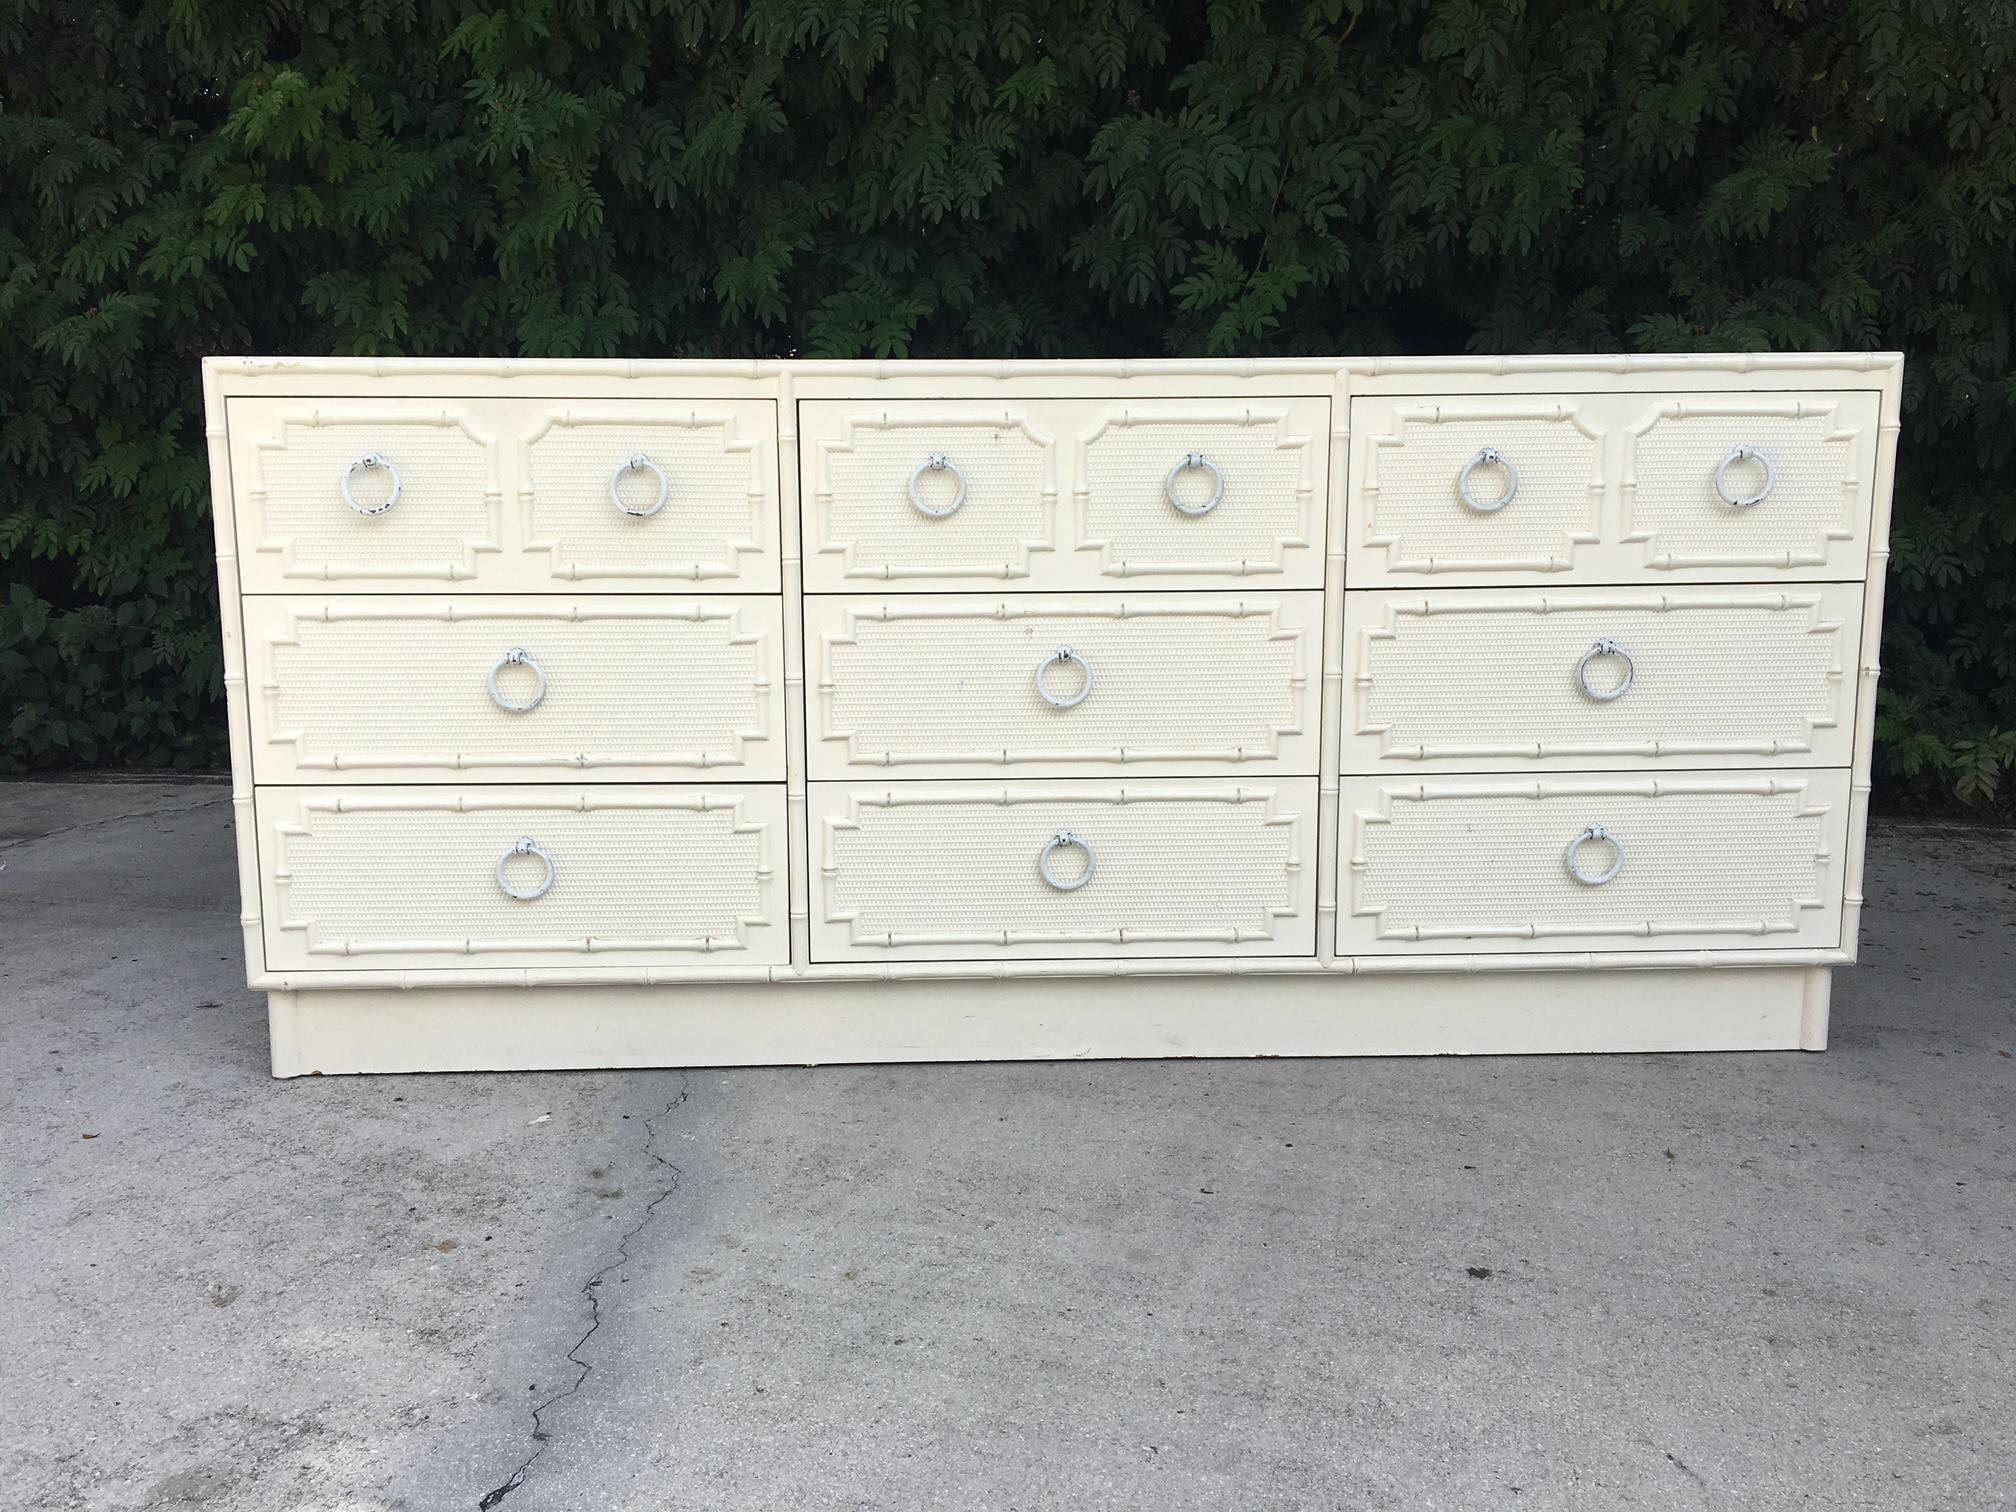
1673	1282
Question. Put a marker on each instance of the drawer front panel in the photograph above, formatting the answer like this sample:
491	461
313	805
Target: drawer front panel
1158	683
948	871
416	689
1700	861
696	485
1064	493
404	495
1611	488
372	878
1716	676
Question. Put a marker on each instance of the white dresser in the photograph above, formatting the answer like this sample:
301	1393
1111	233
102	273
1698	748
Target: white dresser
690	713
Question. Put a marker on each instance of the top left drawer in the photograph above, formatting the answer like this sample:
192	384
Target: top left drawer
391	495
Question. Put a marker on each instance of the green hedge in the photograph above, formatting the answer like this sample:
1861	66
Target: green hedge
973	178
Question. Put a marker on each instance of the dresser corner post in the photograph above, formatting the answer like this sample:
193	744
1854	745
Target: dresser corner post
283	1027
1815	1001
798	889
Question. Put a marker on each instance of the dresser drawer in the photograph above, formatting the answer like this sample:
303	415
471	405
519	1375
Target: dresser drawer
397	688
1611	487
957	871
1693	860
418	877
1158	683
1064	493
1602	677
500	495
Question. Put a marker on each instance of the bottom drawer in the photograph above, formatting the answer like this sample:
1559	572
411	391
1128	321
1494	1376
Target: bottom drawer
1593	863
958	871
421	877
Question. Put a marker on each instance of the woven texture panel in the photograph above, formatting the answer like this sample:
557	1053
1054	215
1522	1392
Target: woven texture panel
955	872
863	501
391	688
416	878
1445	862
713	511
1207	680
1413	502
1478	677
448	500
1267	499
1814	494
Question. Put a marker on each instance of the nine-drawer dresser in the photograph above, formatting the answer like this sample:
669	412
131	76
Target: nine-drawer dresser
628	713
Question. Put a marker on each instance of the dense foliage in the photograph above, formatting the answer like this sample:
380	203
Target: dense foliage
972	177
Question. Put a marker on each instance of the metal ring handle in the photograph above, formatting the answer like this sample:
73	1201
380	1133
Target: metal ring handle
1195	460
371	462
517	656
1605	647
1488	456
1594	832
1744	454
1060	840
938	462
1063	654
638	462
525	848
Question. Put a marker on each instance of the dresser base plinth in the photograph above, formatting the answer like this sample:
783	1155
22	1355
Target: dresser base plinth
377	1030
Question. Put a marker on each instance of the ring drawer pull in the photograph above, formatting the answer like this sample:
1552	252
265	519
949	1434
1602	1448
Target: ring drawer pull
1488	456
517	656
1062	839
1606	647
638	462
1195	461
938	462
525	848
1063	654
371	462
1744	454
1594	832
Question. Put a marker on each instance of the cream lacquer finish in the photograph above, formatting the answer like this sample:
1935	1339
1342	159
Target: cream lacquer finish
506	495
1480	678
1061	493
628	688
952	871
1701	860
401	876
1612	488
947	685
808	742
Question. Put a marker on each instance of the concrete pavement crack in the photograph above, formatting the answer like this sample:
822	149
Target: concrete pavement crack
591	1290
159	812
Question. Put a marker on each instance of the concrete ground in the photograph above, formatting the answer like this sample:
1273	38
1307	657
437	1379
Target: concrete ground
1652	1281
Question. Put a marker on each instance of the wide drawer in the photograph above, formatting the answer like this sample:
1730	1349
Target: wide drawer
1157	683
517	495
955	871
515	688
1602	677
525	876
1694	860
1611	487
1064	493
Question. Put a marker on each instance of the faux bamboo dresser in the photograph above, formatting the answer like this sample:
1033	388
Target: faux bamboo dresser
689	713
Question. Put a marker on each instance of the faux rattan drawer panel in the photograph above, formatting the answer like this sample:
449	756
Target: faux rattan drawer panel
396	688
498	495
697	485
1064	493
1481	678
950	871
408	877
1157	683
1611	488
1479	865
